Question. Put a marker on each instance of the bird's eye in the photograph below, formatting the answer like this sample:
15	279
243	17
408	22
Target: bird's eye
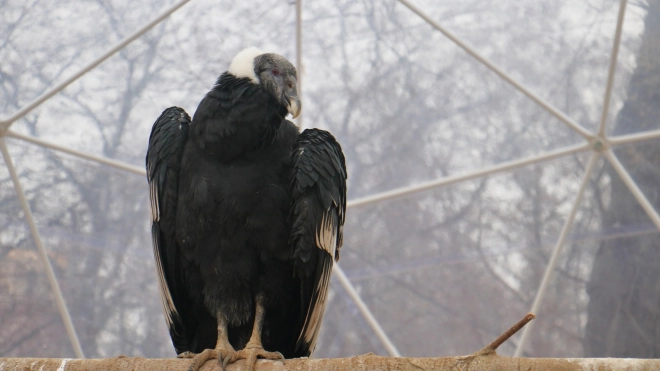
275	71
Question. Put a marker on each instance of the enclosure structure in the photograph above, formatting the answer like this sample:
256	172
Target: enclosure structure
481	185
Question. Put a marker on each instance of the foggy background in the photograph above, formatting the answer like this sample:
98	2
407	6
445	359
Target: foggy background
444	271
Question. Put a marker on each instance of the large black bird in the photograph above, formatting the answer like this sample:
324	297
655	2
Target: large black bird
247	217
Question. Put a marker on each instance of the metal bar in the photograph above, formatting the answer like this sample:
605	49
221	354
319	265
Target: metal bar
612	69
631	138
404	191
4	124
299	64
508	78
362	307
383	196
557	251
100	159
59	298
634	189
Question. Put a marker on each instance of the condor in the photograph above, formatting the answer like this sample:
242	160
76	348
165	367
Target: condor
247	217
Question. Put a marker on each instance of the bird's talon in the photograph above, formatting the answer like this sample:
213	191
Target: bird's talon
225	356
252	353
226	359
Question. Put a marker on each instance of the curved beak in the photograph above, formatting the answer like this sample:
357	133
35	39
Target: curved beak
292	101
294	106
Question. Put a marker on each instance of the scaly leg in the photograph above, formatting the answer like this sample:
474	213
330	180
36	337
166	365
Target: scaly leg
254	348
223	351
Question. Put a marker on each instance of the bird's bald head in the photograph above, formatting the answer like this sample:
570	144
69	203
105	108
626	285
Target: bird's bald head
272	72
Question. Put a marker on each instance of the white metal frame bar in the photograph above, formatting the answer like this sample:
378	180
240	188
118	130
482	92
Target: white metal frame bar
632	138
632	186
4	124
500	72
366	313
444	181
612	69
52	279
556	252
87	156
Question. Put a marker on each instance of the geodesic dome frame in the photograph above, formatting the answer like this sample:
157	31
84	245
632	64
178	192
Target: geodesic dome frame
598	144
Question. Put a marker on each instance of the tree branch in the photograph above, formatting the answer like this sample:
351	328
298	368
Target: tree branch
490	348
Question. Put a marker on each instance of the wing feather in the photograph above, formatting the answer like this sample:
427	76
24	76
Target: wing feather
319	203
168	136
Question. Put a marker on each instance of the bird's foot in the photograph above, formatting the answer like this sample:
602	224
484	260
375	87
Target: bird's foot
250	354
224	356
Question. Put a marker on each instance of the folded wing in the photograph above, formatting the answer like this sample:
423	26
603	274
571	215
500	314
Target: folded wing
168	136
318	183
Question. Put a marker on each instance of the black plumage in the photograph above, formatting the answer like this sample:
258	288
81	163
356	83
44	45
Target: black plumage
247	216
